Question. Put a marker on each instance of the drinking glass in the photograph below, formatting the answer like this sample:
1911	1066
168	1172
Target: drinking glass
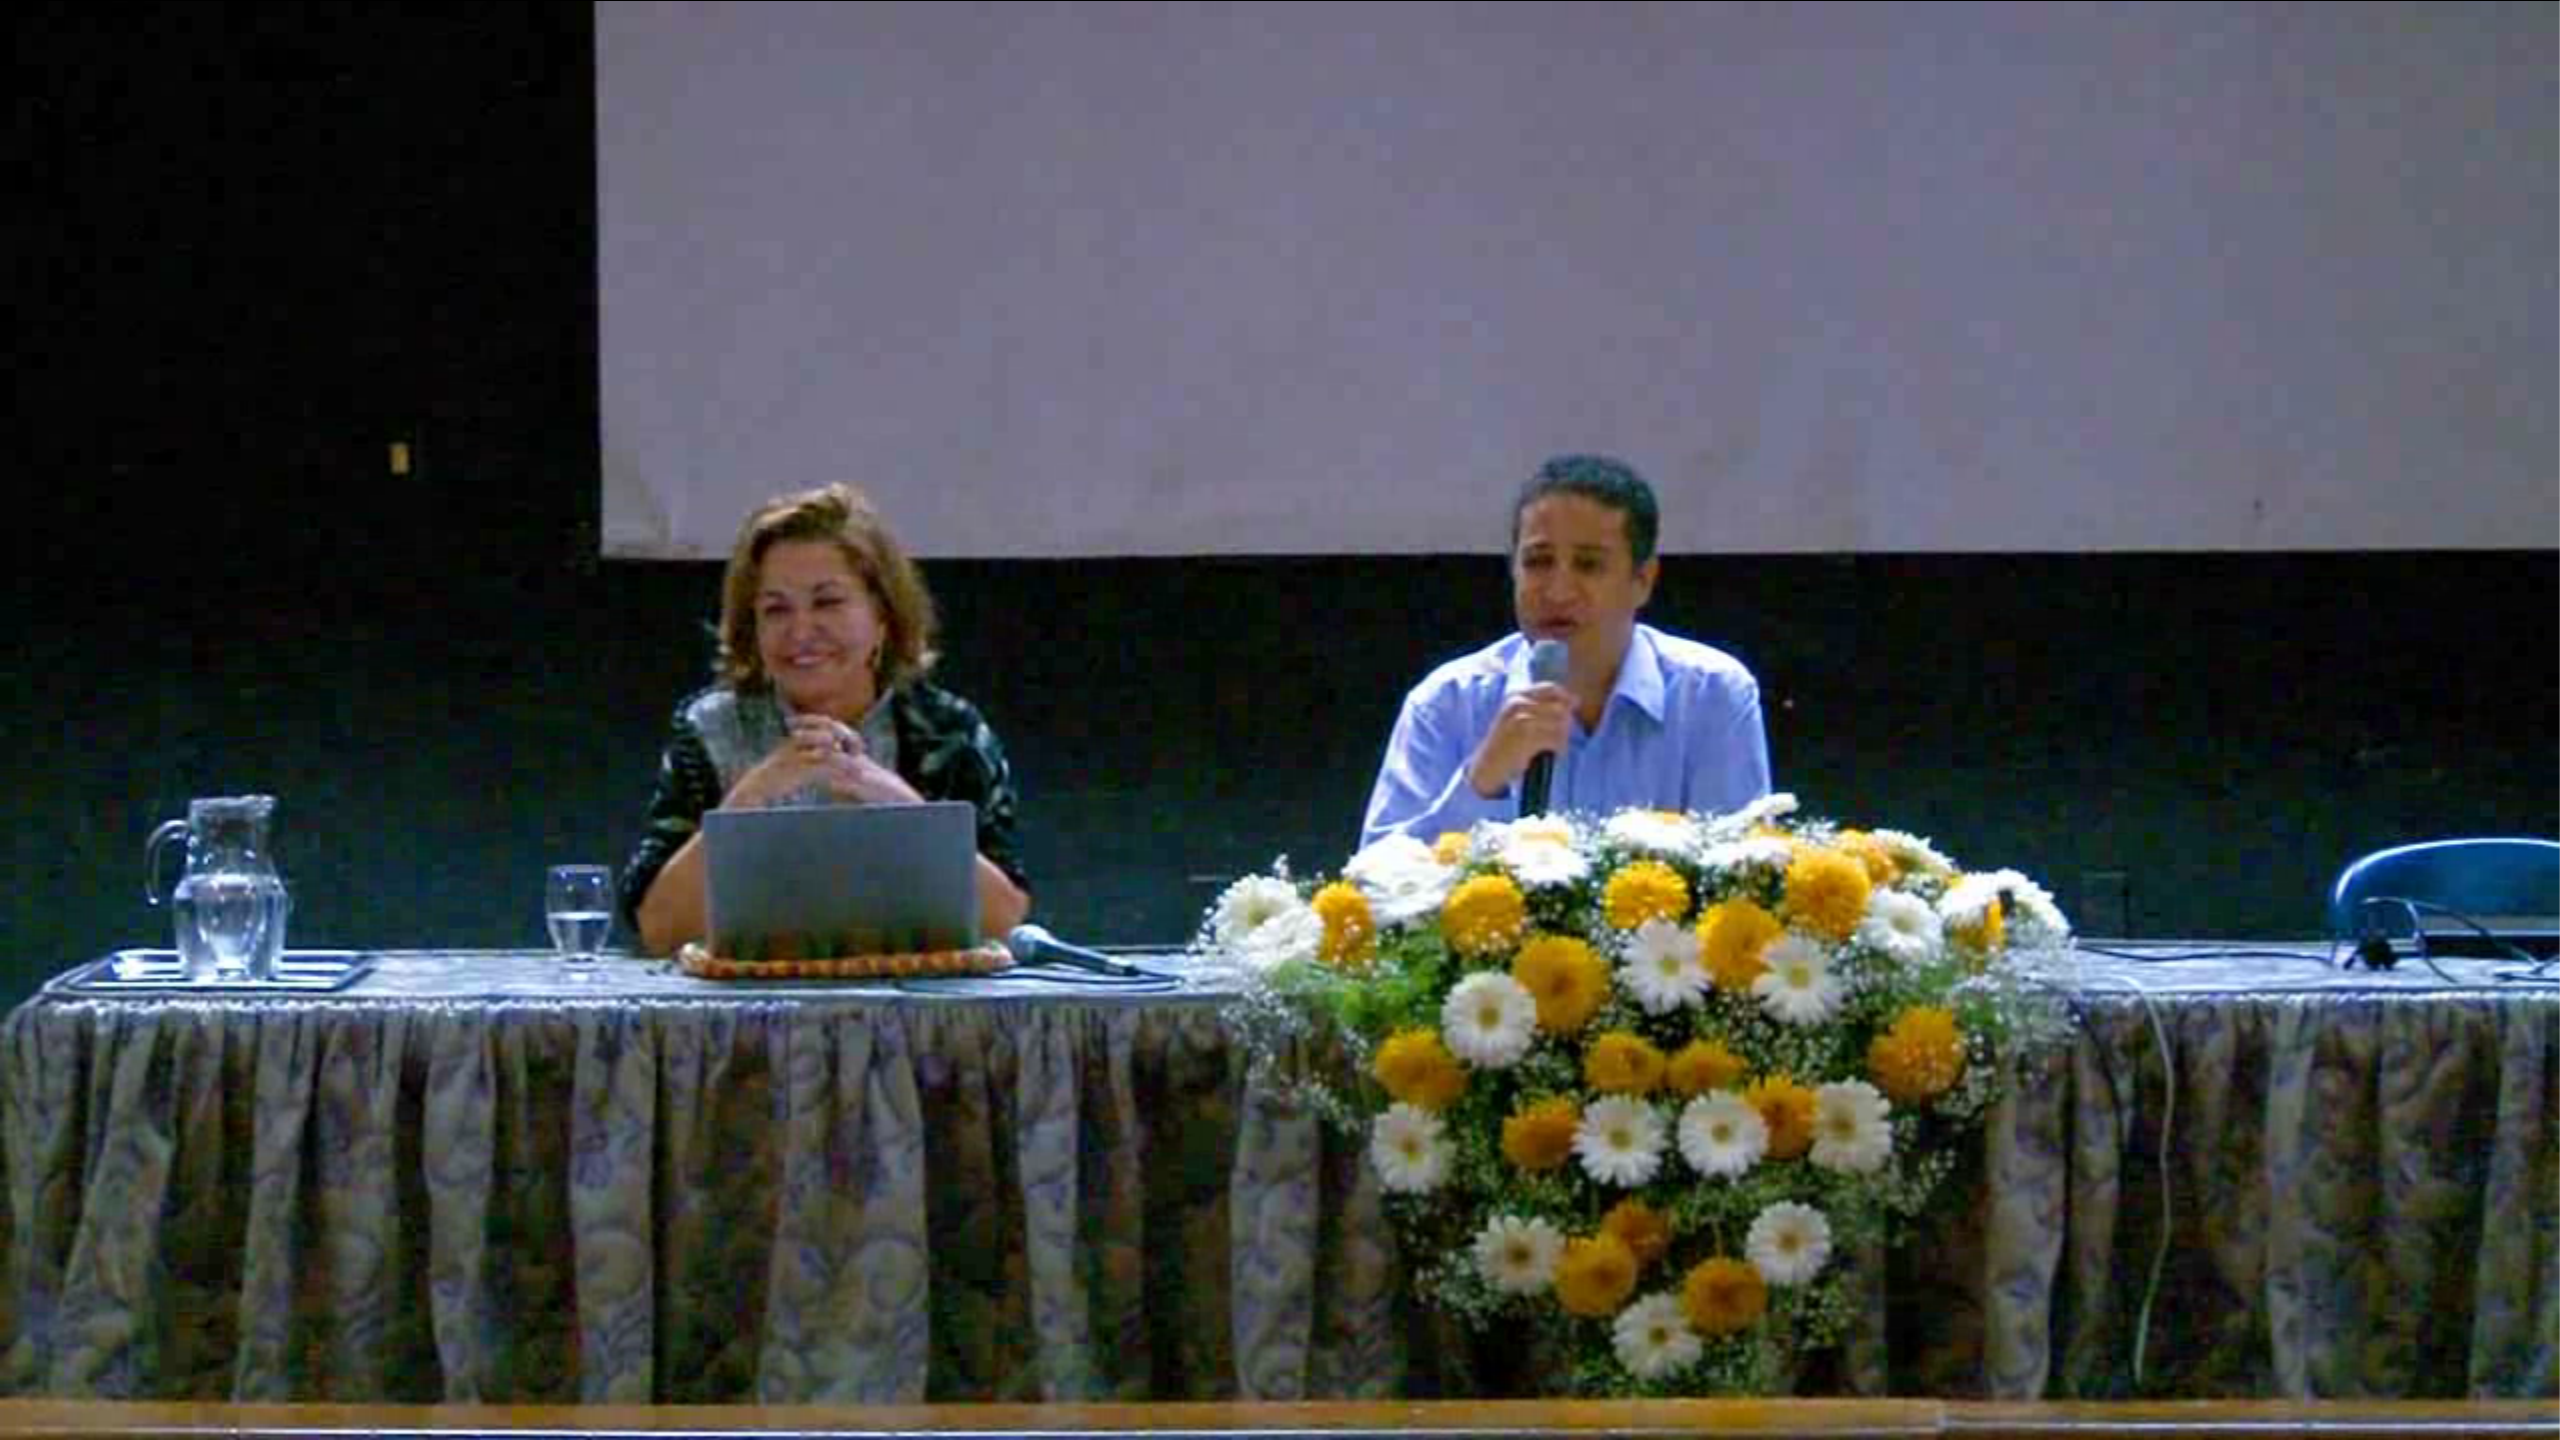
578	902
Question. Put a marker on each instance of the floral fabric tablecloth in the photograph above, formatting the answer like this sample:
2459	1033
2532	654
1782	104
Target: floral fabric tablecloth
473	1178
2347	1184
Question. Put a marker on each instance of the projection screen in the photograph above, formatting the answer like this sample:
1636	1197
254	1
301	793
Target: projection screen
1269	279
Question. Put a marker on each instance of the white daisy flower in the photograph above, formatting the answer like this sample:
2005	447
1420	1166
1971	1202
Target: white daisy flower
1653	1338
1721	1134
1502	836
1293	934
1798	987
1850	1129
2033	919
1660	832
1777	805
1516	1256
1966	900
1902	926
1912	853
1735	861
1664	969
1251	903
1538	850
1409	1150
1489	1020
1788	1243
1540	865
1403	880
1620	1141
1389	854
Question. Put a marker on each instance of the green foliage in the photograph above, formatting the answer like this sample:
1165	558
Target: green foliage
1814	1022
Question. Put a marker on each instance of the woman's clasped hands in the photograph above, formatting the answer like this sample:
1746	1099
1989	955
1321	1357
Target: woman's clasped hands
820	756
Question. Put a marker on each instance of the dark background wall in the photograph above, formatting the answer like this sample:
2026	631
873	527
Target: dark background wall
260	244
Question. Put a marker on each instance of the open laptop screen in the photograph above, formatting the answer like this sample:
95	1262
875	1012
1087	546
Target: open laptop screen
826	881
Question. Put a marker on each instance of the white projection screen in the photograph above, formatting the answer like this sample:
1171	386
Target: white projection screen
1074	280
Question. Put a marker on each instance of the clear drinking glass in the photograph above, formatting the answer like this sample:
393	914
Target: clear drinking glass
578	903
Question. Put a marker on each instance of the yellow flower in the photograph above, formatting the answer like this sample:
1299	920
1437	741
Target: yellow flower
1565	977
1350	931
1541	1137
1723	1295
1452	847
1645	1233
1867	850
1484	915
1985	935
1596	1275
1417	1069
1622	1064
1787	1109
1827	892
1702	1066
1920	1058
1644	890
1731	938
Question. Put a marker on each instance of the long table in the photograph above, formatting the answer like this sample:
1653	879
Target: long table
1685	1419
474	1178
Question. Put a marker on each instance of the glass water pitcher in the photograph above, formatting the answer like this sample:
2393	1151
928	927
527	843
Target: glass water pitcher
229	904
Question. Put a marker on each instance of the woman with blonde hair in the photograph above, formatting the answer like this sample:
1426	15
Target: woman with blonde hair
826	635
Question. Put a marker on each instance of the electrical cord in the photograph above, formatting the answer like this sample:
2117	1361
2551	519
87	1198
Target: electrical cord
1049	978
2376	949
2168	1192
2371	948
2159	957
2168	1118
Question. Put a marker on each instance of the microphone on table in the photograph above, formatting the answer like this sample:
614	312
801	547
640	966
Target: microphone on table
1546	667
1034	945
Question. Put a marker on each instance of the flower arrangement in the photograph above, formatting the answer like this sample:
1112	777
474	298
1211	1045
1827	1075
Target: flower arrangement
1645	1081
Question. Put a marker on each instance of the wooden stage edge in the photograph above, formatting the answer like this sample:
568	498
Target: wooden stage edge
1520	1419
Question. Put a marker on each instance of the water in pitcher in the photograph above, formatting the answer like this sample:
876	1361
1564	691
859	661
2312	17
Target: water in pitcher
221	923
230	904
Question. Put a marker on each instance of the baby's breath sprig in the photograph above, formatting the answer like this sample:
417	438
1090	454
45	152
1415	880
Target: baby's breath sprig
1710	1159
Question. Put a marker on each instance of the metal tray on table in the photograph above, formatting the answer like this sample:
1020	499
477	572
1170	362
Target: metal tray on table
159	972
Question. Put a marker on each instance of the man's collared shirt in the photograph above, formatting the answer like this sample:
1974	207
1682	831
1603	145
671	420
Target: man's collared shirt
1681	731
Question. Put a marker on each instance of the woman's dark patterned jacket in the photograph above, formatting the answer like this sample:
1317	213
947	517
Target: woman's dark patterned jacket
945	750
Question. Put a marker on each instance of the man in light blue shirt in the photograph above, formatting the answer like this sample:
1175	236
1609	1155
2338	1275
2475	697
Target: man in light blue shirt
1641	718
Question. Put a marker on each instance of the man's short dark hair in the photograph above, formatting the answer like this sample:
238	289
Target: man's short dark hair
1610	482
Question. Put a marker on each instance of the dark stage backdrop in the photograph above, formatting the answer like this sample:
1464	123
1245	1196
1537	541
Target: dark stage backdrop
267	243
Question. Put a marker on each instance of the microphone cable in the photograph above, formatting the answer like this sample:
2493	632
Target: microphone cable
2158	957
2376	950
1051	976
2168	1122
2535	972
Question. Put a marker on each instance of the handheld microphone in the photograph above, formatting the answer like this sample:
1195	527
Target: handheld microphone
1034	945
1546	667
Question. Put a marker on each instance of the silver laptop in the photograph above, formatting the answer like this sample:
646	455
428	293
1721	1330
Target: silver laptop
822	881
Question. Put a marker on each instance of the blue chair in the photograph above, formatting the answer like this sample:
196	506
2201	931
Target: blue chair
2476	877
